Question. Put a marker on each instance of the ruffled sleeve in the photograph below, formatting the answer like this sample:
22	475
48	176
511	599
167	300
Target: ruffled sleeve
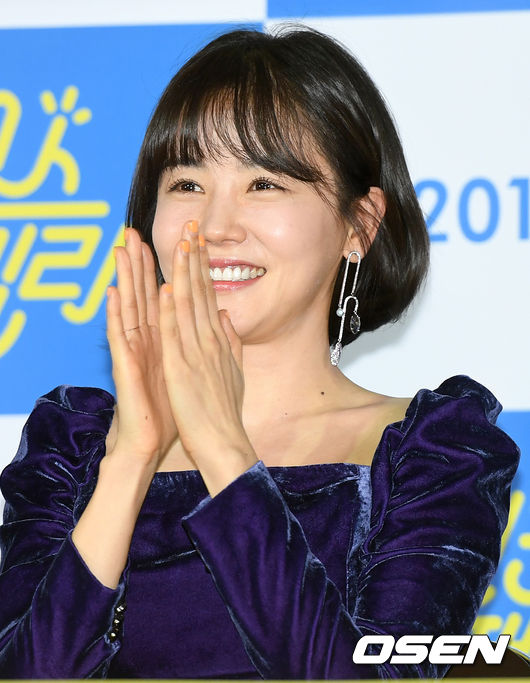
441	483
55	616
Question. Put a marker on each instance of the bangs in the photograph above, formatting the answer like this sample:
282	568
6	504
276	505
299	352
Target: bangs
239	109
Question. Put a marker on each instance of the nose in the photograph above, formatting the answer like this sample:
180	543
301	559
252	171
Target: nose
221	222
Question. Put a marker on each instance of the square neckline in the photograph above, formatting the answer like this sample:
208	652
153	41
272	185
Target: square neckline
399	424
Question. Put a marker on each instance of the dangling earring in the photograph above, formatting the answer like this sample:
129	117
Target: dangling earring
355	321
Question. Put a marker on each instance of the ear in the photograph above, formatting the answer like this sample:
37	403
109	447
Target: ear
368	211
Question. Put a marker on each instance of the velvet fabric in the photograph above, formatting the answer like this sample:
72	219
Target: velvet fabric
275	577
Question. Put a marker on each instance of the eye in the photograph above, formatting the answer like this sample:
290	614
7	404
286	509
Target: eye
183	185
266	184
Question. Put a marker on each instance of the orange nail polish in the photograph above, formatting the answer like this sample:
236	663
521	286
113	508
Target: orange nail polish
167	288
184	246
202	241
193	226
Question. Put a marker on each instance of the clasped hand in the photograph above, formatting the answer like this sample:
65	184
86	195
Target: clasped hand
177	363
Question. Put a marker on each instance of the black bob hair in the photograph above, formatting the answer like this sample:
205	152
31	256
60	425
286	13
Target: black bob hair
266	95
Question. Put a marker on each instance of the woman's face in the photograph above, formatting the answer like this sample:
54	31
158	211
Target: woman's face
267	224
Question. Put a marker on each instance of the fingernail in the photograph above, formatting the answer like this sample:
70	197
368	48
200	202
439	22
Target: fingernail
126	234
202	241
184	245
167	288
193	226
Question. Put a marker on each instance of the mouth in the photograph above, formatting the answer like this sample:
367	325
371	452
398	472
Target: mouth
229	274
227	270
236	273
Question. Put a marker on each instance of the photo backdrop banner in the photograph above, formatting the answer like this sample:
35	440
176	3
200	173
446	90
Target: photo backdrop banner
77	87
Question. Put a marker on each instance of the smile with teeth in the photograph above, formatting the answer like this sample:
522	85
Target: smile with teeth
235	273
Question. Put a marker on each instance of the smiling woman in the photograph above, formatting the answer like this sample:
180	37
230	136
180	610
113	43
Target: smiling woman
242	509
250	97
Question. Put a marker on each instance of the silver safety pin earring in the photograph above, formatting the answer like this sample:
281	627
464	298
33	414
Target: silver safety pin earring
355	321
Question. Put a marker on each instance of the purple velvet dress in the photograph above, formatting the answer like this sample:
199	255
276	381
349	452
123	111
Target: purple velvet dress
277	576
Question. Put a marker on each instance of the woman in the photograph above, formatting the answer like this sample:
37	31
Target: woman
245	510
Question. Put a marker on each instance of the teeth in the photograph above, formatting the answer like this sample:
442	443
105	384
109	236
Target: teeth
235	273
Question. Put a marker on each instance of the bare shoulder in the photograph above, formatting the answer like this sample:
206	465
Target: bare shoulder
392	409
371	417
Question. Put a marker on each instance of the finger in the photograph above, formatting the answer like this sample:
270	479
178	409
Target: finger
124	371
211	298
133	244
198	284
115	333
184	312
151	287
169	330
235	342
127	295
118	344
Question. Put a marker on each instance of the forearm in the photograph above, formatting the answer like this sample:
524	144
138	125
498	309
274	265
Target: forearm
103	533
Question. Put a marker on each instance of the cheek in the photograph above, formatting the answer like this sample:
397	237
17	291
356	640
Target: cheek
298	229
165	236
308	232
284	239
318	245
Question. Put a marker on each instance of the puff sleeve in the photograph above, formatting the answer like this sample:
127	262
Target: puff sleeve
55	616
440	498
